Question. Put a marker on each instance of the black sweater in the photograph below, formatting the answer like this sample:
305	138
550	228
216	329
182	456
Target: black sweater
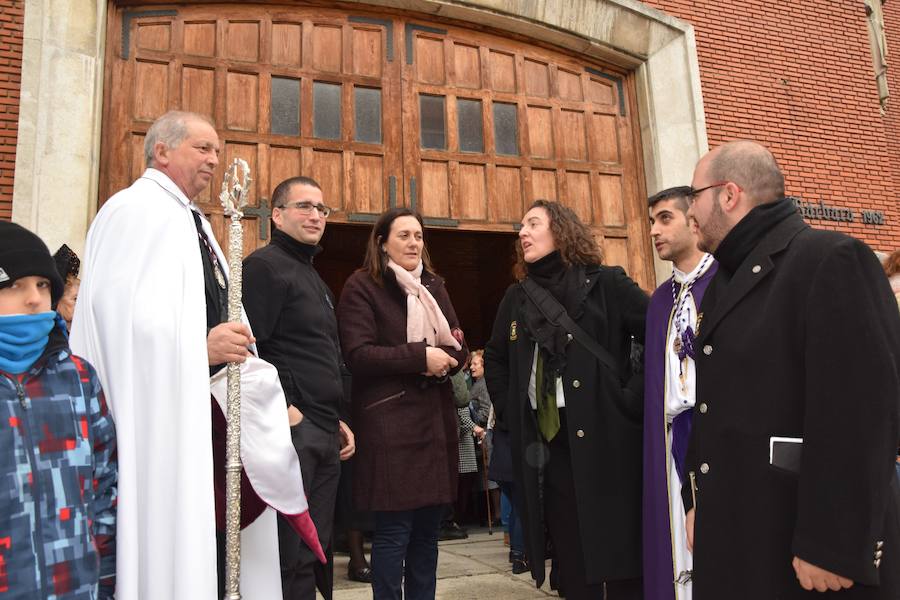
292	315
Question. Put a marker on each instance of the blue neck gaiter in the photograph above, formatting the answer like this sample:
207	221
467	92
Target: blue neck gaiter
23	339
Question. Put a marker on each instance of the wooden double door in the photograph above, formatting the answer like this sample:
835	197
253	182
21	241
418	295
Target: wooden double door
383	108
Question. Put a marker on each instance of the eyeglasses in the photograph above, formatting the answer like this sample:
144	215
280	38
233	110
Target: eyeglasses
305	208
692	194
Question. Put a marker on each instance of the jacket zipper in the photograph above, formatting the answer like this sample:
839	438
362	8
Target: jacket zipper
383	400
36	488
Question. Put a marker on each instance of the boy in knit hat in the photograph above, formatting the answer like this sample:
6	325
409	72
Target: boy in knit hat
57	441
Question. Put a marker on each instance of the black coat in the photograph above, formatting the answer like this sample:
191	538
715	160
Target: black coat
803	342
604	422
292	315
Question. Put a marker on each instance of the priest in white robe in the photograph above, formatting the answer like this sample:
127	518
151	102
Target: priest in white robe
150	317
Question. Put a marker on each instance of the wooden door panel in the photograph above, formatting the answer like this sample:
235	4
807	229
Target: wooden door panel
540	132
466	66
368	189
242	101
327	46
611	208
154	36
200	38
435	189
242	40
151	86
578	195
327	167
286	43
543	185
506	205
430	61
472	190
502	71
615	252
367	56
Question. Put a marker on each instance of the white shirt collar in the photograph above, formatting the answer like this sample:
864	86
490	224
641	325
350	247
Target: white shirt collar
702	265
167	184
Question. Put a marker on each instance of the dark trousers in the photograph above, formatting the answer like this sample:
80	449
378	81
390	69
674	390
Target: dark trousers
405	553
561	514
320	465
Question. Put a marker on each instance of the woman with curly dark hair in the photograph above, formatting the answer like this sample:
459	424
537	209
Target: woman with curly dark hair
558	370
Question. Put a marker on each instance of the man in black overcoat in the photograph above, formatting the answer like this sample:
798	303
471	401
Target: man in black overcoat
796	421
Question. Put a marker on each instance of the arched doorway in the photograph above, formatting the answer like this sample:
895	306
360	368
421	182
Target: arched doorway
383	109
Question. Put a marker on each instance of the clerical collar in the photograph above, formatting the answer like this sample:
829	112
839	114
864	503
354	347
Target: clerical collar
304	252
744	236
701	267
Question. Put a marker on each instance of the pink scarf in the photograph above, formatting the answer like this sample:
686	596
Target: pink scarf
424	318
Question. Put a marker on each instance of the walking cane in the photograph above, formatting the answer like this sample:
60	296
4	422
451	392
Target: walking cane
235	188
484	474
487	492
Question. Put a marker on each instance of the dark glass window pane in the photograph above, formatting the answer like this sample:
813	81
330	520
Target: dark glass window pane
505	129
471	130
327	110
285	106
431	122
367	125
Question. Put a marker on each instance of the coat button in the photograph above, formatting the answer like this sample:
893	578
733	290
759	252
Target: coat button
877	562
576	384
878	553
707	349
879	545
580	433
703	408
756	268
569	336
704	468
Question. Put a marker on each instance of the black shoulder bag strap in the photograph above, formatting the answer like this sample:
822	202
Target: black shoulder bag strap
554	312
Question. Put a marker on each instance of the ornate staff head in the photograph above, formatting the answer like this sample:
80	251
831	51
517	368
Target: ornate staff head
235	189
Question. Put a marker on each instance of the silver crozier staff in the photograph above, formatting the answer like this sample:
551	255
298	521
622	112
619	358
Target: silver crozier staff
235	188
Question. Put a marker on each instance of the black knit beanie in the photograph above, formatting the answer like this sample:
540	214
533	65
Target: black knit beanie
23	254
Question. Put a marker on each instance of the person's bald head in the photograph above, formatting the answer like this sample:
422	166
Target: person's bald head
751	166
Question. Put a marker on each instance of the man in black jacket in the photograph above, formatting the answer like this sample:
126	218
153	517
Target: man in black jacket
291	312
791	481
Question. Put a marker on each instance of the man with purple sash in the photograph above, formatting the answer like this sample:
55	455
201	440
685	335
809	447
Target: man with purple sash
670	383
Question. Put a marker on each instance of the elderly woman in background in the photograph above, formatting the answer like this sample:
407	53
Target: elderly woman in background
401	340
572	404
68	264
892	270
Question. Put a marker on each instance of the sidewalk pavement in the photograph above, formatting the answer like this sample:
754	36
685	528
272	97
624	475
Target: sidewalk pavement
476	568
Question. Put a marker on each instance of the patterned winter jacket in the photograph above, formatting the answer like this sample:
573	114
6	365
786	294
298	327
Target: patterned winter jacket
57	481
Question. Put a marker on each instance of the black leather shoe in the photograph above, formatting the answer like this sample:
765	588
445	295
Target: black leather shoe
519	565
363	575
452	531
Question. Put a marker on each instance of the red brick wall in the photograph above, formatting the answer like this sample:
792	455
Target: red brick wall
798	77
12	19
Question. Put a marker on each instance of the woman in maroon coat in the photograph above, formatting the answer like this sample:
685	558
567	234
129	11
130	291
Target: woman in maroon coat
401	340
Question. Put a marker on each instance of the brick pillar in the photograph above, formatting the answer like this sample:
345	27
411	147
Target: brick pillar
12	21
